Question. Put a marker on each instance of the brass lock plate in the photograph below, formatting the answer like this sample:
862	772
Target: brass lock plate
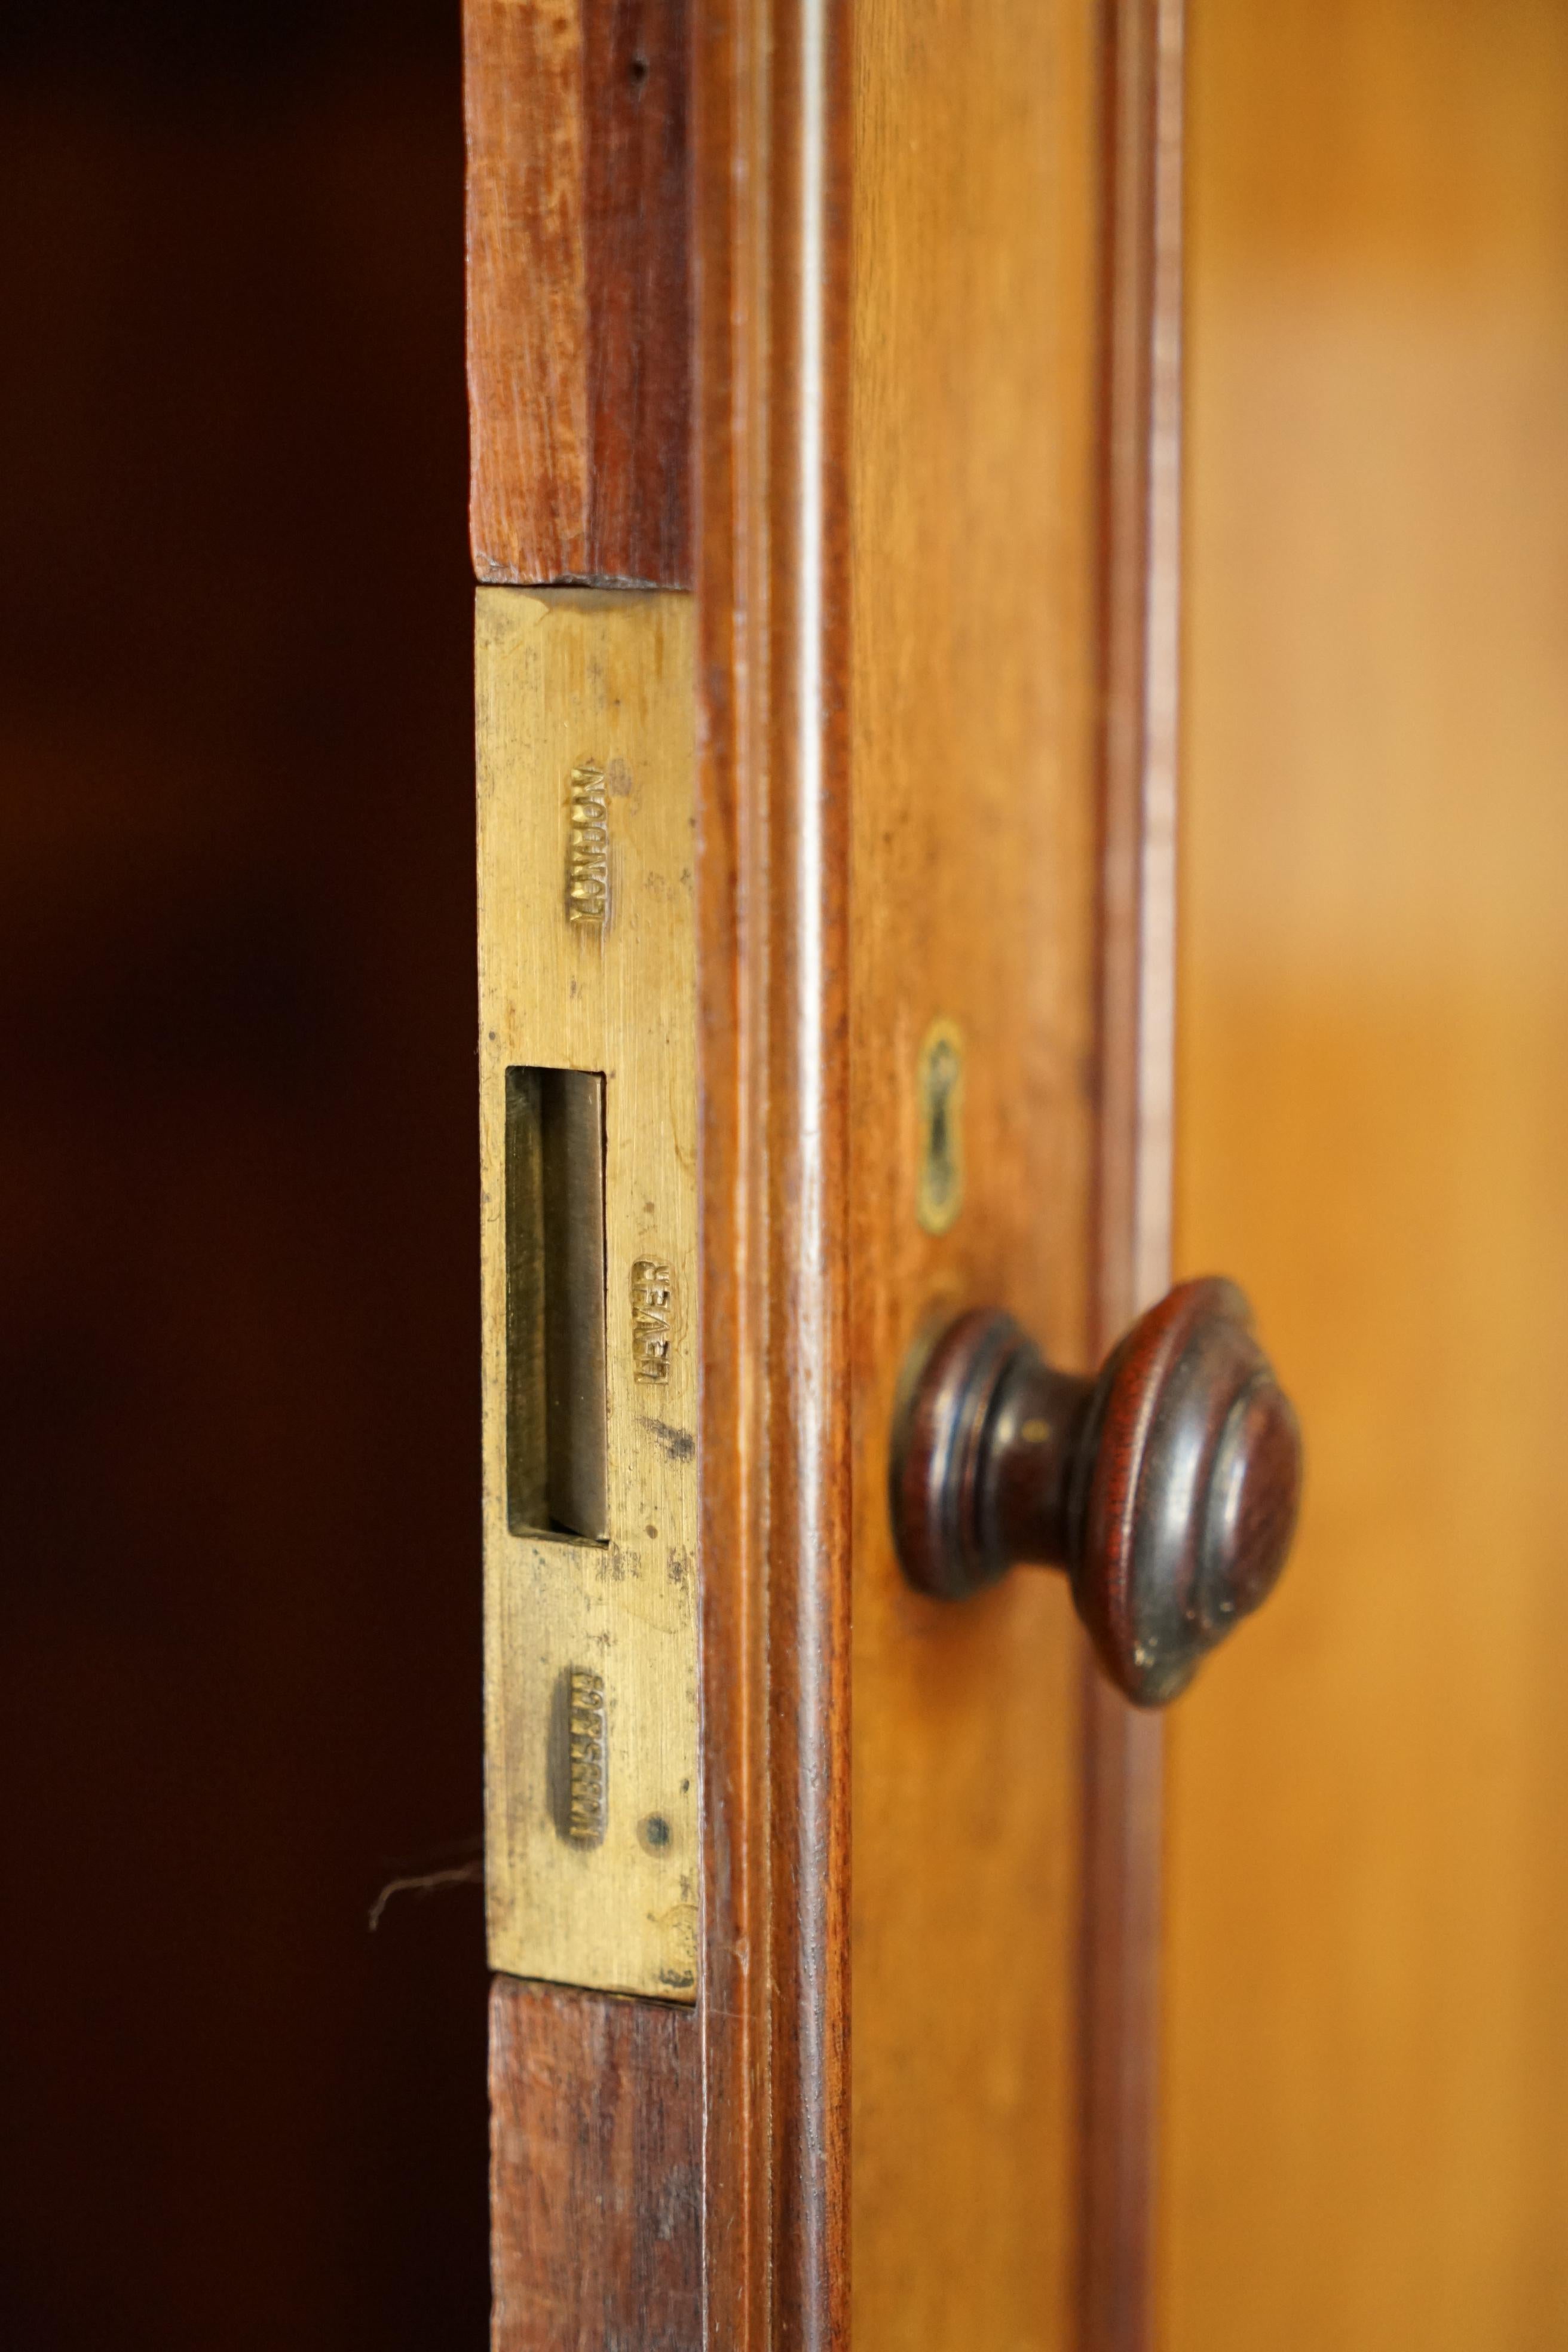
587	1054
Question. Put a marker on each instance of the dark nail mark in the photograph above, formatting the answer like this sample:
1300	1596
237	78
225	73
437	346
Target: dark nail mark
675	1444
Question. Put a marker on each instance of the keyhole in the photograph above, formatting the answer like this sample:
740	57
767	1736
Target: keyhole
943	1078
941	1164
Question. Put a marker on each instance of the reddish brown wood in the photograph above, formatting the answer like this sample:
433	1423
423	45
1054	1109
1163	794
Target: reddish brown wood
1167	1486
579	312
984	1457
1192	1499
771	82
735	1997
595	2169
1122	1764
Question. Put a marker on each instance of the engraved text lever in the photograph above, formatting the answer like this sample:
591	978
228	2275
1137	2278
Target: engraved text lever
1167	1488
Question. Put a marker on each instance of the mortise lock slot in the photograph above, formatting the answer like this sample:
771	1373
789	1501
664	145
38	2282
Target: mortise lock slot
556	1410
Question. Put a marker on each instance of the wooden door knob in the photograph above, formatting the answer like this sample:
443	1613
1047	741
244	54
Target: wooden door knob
1167	1486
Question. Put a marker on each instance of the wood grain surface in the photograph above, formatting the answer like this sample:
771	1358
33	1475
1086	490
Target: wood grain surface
595	2183
976	848
1367	2138
772	146
579	317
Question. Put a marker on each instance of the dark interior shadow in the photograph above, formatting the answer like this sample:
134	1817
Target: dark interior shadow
240	1591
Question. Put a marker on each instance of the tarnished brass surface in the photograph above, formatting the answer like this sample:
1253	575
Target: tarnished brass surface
586	722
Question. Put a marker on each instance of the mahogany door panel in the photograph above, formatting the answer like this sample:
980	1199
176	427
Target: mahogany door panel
974	790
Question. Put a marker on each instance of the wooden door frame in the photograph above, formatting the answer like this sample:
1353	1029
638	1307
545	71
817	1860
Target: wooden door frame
716	2176
773	423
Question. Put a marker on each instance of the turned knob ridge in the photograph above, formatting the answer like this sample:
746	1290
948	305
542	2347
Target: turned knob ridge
1167	1486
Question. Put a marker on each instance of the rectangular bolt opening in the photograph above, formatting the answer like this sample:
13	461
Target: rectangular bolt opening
556	1408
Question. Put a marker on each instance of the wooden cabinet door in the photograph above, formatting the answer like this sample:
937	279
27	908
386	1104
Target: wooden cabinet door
856	327
1367	1948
